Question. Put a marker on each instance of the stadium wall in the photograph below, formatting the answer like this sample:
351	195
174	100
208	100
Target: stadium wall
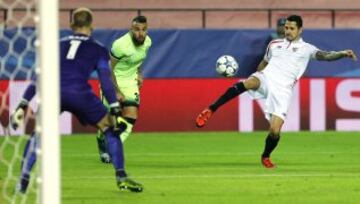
319	104
192	53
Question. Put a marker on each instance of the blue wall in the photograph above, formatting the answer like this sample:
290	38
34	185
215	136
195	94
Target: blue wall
192	53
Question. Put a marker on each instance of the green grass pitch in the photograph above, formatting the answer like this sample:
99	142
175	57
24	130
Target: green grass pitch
215	167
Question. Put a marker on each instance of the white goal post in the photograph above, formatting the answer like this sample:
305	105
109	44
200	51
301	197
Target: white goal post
48	98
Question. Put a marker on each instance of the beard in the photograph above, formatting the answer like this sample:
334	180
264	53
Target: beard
137	41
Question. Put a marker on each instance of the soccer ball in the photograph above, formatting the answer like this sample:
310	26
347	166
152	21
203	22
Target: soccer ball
226	66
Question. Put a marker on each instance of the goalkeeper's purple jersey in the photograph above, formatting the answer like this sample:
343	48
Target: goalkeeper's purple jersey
80	55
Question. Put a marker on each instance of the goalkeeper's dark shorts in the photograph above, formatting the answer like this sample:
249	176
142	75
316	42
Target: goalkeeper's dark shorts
86	106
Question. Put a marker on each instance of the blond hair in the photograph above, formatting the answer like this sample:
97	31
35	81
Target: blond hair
81	17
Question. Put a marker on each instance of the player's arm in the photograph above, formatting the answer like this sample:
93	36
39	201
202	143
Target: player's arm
106	79
333	55
17	118
113	62
108	89
116	54
262	65
120	96
140	78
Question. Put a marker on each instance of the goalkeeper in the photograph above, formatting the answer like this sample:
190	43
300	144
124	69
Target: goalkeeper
80	55
127	54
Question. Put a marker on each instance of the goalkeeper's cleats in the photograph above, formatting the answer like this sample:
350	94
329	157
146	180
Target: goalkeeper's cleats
203	117
125	183
266	162
22	185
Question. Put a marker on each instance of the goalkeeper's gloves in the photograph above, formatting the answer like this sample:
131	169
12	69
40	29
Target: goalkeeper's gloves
17	118
120	122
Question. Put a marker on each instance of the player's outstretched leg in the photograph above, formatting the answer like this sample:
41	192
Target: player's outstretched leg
27	163
203	117
104	155
115	150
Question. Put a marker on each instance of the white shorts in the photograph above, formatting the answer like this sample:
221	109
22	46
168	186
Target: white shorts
277	97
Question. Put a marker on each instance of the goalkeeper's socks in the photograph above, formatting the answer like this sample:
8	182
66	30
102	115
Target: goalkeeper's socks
29	156
120	173
270	144
231	93
23	183
130	124
115	148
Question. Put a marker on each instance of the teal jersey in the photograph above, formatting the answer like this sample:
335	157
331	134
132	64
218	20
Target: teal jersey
130	58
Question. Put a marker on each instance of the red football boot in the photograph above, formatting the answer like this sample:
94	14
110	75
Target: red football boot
203	117
266	162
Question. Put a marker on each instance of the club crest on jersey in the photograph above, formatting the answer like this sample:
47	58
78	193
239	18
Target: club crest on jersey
279	47
294	49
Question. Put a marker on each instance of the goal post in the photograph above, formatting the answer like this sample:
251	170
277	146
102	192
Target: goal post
48	98
29	44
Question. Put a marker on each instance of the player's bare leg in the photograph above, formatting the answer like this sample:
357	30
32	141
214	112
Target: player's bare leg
272	140
252	83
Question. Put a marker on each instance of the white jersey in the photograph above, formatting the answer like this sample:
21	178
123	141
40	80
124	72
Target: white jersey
287	60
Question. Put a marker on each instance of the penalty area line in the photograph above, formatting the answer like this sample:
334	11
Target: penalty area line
71	154
334	175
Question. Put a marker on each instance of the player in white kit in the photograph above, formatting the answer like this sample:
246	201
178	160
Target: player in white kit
284	63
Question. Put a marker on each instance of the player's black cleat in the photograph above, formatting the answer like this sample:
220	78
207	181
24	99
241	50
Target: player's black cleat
22	185
104	156
126	183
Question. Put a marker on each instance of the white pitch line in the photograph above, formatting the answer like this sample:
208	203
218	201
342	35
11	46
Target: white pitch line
71	154
224	176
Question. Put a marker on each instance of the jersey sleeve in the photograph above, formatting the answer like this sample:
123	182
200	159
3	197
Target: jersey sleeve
105	78
30	91
312	51
116	50
103	61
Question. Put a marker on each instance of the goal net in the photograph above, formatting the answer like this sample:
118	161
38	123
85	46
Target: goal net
23	55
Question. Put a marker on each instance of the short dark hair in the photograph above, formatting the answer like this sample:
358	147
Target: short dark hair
81	17
297	19
140	19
